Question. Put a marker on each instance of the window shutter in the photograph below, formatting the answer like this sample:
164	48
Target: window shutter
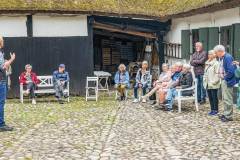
227	37
213	37
236	41
203	37
185	41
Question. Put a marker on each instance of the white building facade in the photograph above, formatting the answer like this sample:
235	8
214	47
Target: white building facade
221	27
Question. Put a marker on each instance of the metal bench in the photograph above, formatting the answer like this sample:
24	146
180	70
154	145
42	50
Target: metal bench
44	87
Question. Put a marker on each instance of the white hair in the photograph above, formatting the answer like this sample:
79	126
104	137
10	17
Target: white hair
145	62
179	64
211	52
187	66
28	66
219	48
122	65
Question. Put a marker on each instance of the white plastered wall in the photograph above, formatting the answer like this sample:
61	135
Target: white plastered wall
60	26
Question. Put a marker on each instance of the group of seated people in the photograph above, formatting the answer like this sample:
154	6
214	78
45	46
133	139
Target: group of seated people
60	79
172	77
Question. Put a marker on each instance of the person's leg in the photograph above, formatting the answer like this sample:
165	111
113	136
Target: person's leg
123	88
227	93
170	98
144	90
198	88
215	99
57	90
2	103
210	96
151	92
203	91
135	91
31	88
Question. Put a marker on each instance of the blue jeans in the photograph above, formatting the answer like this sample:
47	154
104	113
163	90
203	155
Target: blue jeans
3	92
201	92
136	87
171	94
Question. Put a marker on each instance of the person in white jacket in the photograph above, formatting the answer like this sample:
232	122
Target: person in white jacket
211	81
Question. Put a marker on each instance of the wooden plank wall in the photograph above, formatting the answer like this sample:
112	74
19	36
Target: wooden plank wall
45	54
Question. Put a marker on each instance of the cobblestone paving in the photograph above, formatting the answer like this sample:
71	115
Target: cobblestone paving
123	130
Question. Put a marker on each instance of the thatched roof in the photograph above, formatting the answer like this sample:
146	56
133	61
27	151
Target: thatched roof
136	8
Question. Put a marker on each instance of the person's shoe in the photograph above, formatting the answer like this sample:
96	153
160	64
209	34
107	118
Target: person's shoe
34	102
202	102
5	128
225	119
135	100
169	110
27	93
66	96
60	101
144	101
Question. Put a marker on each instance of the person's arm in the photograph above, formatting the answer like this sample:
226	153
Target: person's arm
127	78
189	81
192	60
116	78
202	59
138	77
229	68
67	78
22	79
54	76
7	63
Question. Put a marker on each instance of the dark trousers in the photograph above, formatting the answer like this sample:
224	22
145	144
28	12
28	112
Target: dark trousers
201	92
31	87
144	90
213	99
3	92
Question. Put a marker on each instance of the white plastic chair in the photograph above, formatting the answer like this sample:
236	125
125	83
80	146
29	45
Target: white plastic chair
181	98
91	84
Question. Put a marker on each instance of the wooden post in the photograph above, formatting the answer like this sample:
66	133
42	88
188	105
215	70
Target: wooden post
161	51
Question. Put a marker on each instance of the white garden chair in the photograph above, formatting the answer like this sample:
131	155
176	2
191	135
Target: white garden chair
181	98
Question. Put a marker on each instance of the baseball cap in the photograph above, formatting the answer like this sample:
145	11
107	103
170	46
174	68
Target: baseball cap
62	65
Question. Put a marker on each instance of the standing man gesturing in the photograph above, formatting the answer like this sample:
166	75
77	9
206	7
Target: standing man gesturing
198	62
4	64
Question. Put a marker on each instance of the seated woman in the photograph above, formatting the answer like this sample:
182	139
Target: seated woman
160	86
121	80
29	79
182	81
142	81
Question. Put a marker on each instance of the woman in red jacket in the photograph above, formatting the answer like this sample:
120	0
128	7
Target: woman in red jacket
29	79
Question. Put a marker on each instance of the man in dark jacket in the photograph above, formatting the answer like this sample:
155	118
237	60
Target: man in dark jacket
198	62
226	73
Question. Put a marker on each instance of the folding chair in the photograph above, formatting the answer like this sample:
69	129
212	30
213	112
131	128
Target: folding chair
91	84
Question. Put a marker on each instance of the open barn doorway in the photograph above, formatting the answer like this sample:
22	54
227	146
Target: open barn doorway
114	45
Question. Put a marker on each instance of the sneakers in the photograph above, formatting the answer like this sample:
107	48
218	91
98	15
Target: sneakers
144	101
225	119
135	100
5	128
34	102
213	113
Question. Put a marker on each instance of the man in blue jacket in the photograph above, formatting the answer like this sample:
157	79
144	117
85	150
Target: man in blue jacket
226	73
60	81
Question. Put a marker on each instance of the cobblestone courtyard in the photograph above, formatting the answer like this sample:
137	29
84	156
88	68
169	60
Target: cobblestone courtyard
112	130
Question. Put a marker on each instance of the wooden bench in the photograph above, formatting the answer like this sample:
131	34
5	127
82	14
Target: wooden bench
44	87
